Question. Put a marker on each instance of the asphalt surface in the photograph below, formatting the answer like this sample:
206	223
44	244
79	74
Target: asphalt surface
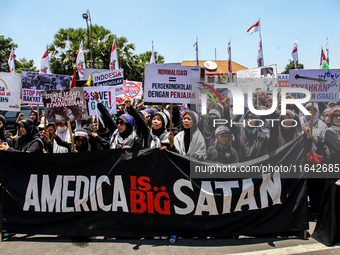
247	245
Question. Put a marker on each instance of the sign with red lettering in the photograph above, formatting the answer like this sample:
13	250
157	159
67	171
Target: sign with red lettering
10	85
171	84
133	89
283	80
107	94
110	78
34	83
323	84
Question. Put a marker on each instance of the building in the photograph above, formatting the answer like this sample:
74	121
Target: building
216	70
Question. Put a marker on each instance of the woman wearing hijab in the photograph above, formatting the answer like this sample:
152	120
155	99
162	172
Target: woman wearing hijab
80	140
283	134
315	186
29	140
250	141
327	230
207	126
189	142
319	127
326	117
155	136
123	134
34	116
5	135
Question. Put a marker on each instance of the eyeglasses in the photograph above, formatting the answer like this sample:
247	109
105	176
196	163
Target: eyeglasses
326	115
120	122
335	116
250	117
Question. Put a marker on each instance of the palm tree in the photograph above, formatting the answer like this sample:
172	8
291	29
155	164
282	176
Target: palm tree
65	46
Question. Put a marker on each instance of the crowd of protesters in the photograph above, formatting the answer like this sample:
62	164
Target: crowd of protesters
188	133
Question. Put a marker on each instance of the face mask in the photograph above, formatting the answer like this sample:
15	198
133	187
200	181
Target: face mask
61	129
211	120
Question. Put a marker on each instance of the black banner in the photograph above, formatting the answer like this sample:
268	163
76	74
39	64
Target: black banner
140	193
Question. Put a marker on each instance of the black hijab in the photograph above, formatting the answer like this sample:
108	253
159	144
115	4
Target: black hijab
31	133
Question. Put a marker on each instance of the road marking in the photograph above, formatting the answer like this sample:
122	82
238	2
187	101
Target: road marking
291	250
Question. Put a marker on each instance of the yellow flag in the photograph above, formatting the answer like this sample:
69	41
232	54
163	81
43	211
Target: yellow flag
88	83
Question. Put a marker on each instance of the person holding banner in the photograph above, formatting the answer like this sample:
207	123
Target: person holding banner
189	142
5	136
155	136
315	186
123	134
327	230
222	151
80	139
63	133
29	140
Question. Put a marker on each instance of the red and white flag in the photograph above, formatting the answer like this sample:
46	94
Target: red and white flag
152	59
11	61
323	60
80	61
327	52
254	28
295	54
229	62
114	65
45	63
260	54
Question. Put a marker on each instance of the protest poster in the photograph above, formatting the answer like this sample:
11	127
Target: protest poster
171	84
92	71
65	105
107	95
283	80
323	84
260	79
10	86
34	83
133	89
110	78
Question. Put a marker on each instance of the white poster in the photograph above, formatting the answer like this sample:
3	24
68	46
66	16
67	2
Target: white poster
110	78
34	83
260	79
93	71
133	89
10	85
171	84
323	84
107	95
283	80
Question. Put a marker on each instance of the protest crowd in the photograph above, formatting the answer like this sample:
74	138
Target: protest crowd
189	133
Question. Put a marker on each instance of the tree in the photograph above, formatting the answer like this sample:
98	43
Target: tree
5	51
25	66
291	65
65	46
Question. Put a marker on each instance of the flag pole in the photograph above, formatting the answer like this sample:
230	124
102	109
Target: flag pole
170	117
259	28
197	51
321	59
71	135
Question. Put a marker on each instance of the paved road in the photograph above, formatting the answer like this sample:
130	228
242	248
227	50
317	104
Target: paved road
245	245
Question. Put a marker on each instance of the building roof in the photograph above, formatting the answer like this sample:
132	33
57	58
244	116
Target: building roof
222	66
